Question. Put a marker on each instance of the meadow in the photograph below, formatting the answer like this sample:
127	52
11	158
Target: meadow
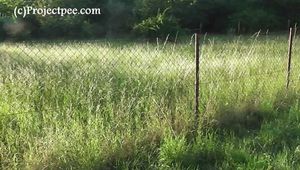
114	104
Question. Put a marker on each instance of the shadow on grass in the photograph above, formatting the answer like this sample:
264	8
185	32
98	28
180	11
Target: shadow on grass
205	153
241	120
285	100
130	153
247	118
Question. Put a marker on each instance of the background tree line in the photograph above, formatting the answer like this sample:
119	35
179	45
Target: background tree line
150	17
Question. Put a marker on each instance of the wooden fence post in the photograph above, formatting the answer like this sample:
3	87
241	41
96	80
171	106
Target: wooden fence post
289	58
197	82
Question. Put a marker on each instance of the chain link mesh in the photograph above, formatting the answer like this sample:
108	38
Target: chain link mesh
93	74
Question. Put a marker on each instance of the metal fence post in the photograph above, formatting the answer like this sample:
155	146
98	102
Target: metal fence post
289	58
197	82
295	31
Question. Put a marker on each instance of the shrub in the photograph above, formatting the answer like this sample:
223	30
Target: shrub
253	20
159	25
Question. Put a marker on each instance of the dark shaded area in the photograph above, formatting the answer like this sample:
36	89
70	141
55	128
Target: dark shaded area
150	18
248	118
241	120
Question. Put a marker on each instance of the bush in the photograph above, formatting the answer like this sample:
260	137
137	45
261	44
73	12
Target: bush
253	20
13	28
3	34
159	25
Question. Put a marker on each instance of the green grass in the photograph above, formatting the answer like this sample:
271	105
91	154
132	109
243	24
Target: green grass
121	105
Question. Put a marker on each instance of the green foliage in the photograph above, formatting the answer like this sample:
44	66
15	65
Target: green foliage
252	20
205	153
145	17
159	25
3	21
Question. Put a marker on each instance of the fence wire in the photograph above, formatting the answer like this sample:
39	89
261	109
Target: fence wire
123	87
52	76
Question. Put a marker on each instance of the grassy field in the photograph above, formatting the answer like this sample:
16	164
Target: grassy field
129	105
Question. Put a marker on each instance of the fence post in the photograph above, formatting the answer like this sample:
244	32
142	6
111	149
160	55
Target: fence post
197	81
289	58
239	28
295	31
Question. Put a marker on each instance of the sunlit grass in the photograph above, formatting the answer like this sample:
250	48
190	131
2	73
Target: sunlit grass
117	105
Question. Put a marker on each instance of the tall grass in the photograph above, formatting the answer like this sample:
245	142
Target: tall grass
120	105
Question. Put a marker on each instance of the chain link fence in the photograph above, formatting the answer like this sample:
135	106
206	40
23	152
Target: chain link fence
88	75
95	88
